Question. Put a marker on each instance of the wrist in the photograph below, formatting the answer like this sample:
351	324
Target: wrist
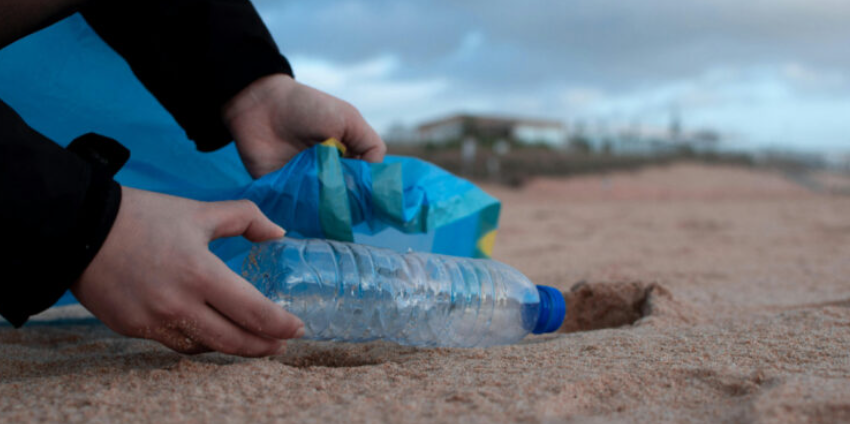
254	96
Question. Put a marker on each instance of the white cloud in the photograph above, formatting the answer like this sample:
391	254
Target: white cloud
581	97
372	88
811	78
329	76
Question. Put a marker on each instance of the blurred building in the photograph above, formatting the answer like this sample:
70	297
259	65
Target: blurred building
649	140
522	130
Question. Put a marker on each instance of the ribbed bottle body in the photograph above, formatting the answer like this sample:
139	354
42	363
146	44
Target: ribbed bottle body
351	292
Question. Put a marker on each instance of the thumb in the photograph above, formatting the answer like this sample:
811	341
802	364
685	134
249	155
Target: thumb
241	218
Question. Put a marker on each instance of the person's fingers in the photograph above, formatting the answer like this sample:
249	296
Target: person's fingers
242	218
243	304
363	141
375	152
216	332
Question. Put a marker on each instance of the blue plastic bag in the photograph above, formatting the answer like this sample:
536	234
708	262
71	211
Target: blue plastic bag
403	203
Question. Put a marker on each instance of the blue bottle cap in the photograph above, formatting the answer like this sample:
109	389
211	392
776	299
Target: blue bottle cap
553	309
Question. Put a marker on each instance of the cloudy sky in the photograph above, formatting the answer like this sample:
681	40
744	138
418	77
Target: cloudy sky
763	73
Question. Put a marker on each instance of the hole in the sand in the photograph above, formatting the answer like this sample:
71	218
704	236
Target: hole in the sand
594	306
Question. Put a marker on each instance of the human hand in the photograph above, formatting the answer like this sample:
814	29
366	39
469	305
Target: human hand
154	277
275	118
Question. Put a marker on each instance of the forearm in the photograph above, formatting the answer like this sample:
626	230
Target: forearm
19	18
56	212
193	55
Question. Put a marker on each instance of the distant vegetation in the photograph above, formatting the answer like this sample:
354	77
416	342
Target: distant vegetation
526	161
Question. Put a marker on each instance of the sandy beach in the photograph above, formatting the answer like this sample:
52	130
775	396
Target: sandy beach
695	293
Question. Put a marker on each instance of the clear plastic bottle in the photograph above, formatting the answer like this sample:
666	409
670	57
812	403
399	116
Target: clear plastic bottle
356	293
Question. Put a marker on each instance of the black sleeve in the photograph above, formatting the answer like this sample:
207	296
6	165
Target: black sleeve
193	55
56	210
